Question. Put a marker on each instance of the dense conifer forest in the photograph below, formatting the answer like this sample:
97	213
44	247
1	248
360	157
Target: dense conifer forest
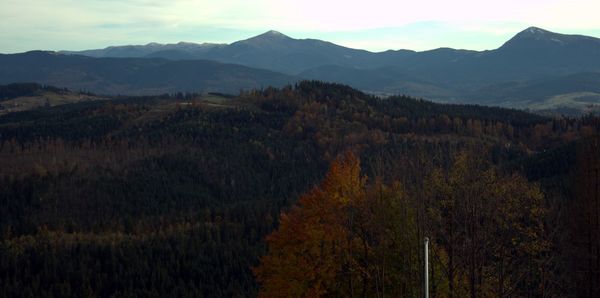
311	189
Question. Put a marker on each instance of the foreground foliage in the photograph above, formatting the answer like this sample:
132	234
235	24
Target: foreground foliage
348	238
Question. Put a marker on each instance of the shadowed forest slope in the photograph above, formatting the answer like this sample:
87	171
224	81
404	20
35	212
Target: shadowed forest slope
174	195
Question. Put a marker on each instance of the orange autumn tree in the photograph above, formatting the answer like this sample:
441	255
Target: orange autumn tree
344	238
309	253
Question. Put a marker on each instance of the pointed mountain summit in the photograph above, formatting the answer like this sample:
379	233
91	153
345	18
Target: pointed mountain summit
535	33
269	40
279	52
270	35
273	34
537	38
533	37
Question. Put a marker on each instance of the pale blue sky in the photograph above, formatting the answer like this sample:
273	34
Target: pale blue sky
374	25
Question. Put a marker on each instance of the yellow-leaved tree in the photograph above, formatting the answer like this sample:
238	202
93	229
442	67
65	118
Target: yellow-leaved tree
310	249
344	238
487	230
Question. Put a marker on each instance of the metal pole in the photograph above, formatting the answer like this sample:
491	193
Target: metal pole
426	268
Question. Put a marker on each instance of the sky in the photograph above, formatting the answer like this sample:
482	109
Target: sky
374	25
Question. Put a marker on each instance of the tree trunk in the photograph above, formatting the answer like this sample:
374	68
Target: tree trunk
501	278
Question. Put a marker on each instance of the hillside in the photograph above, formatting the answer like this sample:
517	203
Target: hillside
579	92
18	97
134	76
93	192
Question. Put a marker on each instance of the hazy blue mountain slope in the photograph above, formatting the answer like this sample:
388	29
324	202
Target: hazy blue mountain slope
134	75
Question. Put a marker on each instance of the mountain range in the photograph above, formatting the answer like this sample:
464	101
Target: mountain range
535	69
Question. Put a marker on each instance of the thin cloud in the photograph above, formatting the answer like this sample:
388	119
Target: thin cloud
73	24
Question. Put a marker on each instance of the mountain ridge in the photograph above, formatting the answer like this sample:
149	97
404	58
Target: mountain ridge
443	74
535	32
278	52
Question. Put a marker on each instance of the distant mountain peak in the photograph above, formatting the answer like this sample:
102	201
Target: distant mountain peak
535	31
271	35
274	33
536	37
154	44
270	39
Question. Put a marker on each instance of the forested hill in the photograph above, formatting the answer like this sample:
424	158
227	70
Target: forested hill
174	195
